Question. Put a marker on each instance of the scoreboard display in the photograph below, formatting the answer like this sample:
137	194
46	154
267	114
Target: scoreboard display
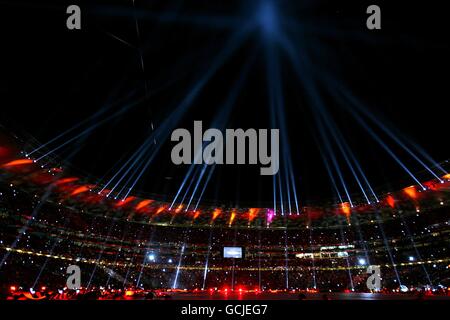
233	252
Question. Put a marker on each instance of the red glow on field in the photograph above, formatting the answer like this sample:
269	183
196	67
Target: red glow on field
4	152
143	204
411	192
16	163
431	185
391	201
41	178
313	213
129	293
93	198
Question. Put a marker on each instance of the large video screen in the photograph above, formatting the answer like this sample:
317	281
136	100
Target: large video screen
233	252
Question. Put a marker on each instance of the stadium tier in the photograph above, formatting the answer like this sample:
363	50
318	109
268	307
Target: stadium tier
50	220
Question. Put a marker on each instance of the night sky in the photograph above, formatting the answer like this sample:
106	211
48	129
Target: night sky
52	78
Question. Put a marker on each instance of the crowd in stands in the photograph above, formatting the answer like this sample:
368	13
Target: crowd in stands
41	237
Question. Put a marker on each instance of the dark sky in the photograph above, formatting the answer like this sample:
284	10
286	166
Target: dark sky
52	78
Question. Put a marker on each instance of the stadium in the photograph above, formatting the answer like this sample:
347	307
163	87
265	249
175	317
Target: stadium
93	208
51	219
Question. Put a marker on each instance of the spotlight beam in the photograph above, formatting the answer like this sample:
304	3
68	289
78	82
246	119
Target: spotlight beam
291	52
394	137
269	24
93	117
224	115
345	150
311	91
385	147
163	132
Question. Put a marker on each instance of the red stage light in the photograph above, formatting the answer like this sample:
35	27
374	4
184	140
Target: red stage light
121	203
143	204
129	293
65	180
216	213
178	209
391	201
160	209
345	206
411	192
81	189
233	216
15	163
197	213
252	214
